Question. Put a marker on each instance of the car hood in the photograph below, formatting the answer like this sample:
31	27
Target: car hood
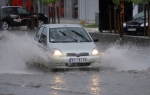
74	47
136	22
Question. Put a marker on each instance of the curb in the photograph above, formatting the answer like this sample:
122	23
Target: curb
92	30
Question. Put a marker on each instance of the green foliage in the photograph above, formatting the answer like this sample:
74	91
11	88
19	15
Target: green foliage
46	2
9	2
133	1
138	1
117	2
90	26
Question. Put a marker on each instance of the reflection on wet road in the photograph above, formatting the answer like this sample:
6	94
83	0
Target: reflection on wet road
77	82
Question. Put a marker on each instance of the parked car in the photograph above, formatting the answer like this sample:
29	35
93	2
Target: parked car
17	16
136	25
67	45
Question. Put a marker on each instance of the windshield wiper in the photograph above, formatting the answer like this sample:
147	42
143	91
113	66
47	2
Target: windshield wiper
68	36
80	35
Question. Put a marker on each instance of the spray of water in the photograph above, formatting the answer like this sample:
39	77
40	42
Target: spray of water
127	57
16	50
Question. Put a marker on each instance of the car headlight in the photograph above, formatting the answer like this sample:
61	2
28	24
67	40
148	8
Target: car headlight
142	25
57	52
124	24
45	15
95	52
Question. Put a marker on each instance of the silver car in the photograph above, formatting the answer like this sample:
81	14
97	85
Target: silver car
68	45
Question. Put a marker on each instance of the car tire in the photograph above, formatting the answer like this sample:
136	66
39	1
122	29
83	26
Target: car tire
29	26
5	25
40	22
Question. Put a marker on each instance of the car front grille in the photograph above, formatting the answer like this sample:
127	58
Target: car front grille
78	55
79	64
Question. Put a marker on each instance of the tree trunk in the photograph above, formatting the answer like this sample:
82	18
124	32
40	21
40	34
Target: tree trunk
115	31
110	28
145	6
27	19
37	16
121	17
118	22
32	18
58	15
149	20
0	20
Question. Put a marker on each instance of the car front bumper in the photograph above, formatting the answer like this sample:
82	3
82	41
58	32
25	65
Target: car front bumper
64	62
134	30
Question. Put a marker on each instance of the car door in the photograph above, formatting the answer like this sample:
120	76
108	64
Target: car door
43	39
23	15
38	34
9	11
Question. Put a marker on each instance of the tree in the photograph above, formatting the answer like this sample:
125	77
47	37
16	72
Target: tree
133	1
121	12
46	2
32	16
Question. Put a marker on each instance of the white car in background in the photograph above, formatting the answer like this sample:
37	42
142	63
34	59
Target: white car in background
72	46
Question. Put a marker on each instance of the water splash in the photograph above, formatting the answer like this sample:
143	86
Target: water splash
127	57
16	50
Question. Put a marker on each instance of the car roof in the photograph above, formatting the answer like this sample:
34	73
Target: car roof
61	25
11	6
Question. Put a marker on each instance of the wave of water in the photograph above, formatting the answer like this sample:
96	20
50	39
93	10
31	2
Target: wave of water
17	48
127	57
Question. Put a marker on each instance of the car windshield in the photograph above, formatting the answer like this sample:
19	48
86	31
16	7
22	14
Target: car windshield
68	34
22	11
140	15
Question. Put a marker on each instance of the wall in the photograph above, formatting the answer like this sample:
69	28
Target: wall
87	9
3	3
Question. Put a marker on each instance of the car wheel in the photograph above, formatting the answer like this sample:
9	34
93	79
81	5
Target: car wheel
5	25
29	25
40	22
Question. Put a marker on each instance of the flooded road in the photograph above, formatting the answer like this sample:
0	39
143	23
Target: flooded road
123	70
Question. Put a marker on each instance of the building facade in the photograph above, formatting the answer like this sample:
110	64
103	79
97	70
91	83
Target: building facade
78	9
83	10
68	9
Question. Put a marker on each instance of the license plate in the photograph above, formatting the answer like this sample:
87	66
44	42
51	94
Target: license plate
73	60
131	29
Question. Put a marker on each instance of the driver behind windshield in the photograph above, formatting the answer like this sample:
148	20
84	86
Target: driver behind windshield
54	35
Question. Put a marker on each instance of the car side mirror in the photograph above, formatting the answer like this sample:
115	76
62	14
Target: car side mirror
43	40
95	40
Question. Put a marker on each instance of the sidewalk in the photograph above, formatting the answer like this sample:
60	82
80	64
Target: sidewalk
63	21
90	30
69	21
74	21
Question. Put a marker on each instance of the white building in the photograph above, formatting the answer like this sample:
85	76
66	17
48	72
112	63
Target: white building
82	10
87	10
